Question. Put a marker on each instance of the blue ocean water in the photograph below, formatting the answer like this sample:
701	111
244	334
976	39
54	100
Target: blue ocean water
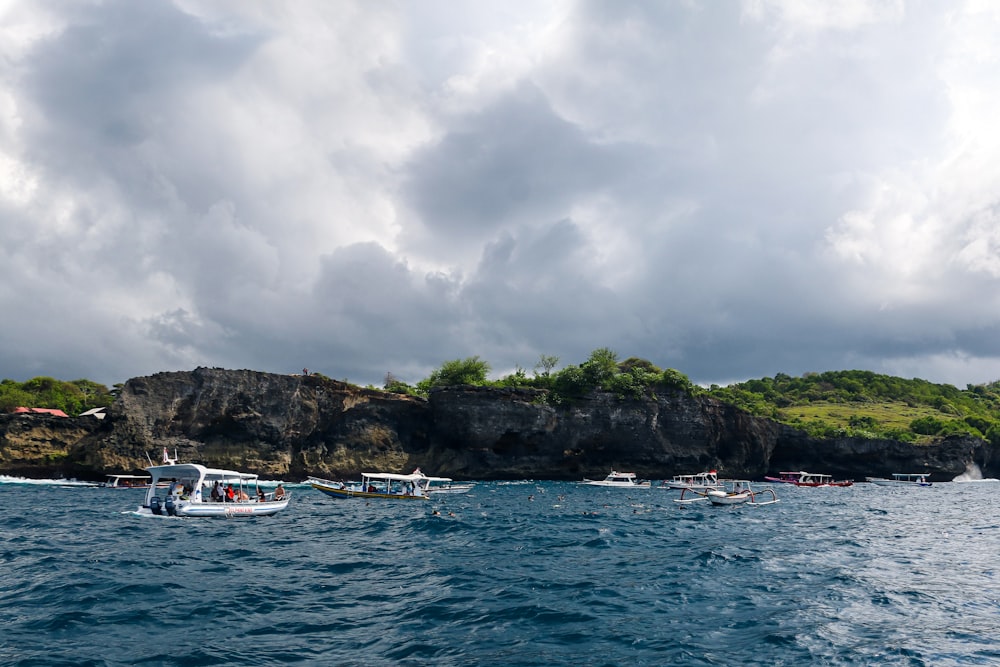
511	574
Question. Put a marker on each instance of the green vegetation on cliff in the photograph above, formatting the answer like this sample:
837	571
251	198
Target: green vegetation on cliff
866	404
45	392
832	404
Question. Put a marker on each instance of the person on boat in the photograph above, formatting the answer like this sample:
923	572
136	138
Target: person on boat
279	492
230	494
260	495
241	495
216	493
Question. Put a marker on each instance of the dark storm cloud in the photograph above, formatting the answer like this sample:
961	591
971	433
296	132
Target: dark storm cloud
730	189
513	162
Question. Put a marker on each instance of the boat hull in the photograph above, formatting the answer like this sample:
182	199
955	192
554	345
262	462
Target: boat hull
616	485
454	489
221	510
723	498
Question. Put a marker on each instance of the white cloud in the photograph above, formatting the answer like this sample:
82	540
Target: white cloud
730	190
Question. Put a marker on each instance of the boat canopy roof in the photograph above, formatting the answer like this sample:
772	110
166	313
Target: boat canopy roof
394	477
128	476
196	470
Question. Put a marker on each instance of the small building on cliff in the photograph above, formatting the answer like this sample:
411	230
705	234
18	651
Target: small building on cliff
40	411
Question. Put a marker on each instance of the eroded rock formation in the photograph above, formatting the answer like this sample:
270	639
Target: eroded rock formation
291	426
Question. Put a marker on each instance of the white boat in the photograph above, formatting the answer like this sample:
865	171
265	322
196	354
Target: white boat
127	482
901	479
699	481
447	486
381	485
618	479
731	492
442	485
190	489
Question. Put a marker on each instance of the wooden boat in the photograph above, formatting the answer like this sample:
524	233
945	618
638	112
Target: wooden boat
732	492
188	493
618	480
380	485
802	478
701	481
901	479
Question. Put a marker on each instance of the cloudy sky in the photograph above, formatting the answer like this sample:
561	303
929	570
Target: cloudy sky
733	189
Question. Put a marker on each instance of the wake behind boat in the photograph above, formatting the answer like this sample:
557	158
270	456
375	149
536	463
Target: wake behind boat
193	488
618	479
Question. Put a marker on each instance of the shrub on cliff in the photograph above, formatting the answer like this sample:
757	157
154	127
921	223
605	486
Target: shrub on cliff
471	370
46	392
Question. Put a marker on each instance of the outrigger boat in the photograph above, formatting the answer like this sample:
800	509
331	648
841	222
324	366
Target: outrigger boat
732	492
618	479
382	485
901	479
190	488
700	481
802	478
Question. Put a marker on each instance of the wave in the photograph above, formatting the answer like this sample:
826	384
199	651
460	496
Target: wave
10	479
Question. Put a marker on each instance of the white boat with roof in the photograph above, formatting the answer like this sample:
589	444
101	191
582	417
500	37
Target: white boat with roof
902	479
192	492
387	486
731	492
127	482
698	481
618	480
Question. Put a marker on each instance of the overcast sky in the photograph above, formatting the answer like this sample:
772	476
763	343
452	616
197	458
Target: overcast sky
732	189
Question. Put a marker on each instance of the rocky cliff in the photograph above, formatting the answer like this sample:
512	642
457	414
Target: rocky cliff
291	426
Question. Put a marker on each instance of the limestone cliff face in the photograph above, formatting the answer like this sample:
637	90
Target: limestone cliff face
45	446
291	426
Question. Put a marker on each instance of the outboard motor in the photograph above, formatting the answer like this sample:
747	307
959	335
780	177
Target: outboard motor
154	506
171	508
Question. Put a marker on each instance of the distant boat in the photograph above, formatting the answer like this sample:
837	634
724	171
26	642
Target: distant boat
802	478
128	482
618	480
701	481
440	485
384	486
901	479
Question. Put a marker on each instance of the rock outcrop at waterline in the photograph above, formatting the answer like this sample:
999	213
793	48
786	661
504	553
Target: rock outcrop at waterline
291	426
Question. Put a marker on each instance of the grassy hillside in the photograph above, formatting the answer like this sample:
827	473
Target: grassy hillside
866	404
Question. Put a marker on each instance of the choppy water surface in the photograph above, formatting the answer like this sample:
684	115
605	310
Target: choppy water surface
511	574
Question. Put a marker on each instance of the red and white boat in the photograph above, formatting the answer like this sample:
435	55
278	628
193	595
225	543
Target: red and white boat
802	478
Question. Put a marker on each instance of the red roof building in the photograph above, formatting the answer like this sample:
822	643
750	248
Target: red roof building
41	411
